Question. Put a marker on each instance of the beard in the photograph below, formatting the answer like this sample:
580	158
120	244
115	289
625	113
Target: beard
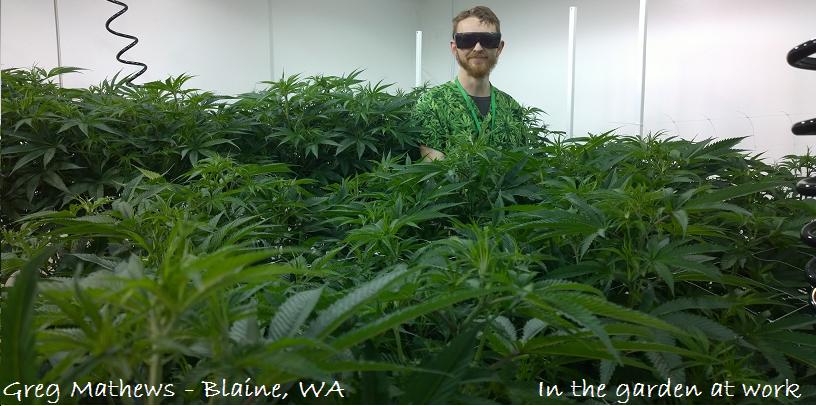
477	68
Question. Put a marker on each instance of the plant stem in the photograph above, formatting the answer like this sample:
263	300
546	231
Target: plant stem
475	311
155	360
400	352
479	350
155	372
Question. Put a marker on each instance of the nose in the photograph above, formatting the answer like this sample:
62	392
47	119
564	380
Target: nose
478	47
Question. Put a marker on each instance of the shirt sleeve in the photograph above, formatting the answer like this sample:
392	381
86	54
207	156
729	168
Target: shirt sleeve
432	130
519	117
511	131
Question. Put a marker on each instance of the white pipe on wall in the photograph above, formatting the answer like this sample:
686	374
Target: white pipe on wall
642	50
271	42
453	63
418	73
57	31
573	11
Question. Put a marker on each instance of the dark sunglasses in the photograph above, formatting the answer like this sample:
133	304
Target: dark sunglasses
467	40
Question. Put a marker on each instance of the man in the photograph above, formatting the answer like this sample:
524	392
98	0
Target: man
470	108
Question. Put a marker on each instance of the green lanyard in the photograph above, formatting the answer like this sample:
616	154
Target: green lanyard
472	106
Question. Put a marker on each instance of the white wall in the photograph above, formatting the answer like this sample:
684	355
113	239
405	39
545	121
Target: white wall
226	48
225	44
334	37
27	34
707	59
726	59
435	23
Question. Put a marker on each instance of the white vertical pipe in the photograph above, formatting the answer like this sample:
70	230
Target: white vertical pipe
571	69
418	76
57	31
271	43
642	49
454	65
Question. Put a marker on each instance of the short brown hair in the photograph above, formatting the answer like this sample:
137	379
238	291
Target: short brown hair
484	14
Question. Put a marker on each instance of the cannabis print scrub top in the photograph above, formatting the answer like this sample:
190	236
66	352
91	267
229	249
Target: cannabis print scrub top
449	116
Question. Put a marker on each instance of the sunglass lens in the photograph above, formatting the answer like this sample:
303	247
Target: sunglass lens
467	40
490	40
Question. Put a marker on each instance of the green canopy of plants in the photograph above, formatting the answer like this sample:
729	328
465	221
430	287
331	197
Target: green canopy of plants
159	234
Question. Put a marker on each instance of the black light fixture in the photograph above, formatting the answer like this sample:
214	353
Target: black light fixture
801	57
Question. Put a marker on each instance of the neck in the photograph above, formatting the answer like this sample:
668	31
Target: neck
479	87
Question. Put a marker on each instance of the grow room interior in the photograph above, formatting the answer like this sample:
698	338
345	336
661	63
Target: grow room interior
712	68
251	212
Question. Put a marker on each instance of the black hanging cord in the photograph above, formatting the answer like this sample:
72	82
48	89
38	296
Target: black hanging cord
800	57
131	45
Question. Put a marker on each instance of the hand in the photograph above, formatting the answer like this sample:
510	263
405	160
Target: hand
430	154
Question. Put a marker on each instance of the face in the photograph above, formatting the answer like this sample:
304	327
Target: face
476	61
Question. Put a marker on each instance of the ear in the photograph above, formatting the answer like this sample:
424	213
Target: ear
453	47
501	47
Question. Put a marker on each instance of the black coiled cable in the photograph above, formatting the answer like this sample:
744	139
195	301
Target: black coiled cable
131	45
800	57
807	187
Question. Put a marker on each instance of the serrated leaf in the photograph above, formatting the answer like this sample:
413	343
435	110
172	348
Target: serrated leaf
51	178
245	331
342	309
666	274
18	340
603	307
394	319
709	327
149	174
450	365
292	313
26	159
531	328
49	154
103	262
687	303
566	305
775	357
606	370
721	195
682	218
504	325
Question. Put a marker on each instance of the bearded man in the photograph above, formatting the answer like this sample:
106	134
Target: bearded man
469	108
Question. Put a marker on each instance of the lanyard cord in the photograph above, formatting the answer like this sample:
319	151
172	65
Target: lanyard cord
472	107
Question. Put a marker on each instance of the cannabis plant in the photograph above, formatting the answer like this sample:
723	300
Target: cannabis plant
170	236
